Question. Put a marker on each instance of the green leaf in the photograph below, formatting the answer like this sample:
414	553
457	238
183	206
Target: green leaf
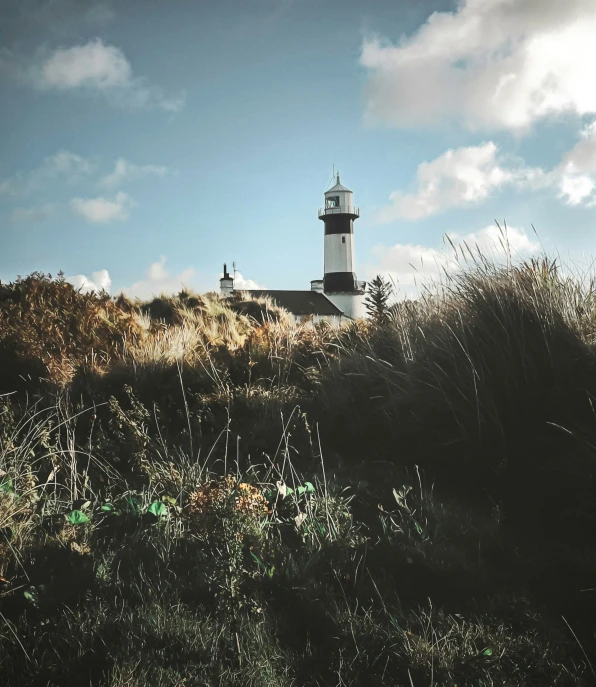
32	596
419	529
487	652
133	503
158	509
256	559
289	491
169	499
109	508
309	488
77	517
300	490
7	486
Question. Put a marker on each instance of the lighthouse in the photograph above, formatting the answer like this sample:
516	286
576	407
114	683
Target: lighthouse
339	295
339	283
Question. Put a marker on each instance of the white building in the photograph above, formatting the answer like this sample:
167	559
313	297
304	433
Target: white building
339	295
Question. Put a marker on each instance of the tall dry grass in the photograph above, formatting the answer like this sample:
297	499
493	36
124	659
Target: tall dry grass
487	381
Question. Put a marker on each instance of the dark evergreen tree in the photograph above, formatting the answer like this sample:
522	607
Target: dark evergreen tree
378	294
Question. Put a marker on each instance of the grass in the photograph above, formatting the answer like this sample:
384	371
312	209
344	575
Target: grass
222	497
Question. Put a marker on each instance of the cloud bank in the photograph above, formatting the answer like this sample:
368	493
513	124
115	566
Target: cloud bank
62	166
125	171
464	177
100	69
103	210
491	64
98	281
158	280
411	266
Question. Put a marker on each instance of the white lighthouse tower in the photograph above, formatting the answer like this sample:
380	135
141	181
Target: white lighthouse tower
339	283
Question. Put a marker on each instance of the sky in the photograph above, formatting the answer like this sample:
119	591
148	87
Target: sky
146	143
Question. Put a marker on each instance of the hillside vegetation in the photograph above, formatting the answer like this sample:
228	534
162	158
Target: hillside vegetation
199	492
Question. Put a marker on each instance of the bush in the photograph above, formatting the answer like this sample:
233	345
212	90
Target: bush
49	322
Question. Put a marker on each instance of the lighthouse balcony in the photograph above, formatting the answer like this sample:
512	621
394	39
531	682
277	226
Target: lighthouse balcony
340	210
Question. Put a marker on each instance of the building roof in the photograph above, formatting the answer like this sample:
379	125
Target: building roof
337	187
301	302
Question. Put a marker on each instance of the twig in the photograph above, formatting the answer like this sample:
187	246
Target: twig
15	636
580	645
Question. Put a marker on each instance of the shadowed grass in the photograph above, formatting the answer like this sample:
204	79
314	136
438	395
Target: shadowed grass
234	499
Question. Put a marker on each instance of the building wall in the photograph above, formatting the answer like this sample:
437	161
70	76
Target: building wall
339	253
351	304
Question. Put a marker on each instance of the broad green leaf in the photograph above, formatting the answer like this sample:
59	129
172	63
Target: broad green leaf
309	488
158	509
109	508
7	486
77	517
487	652
300	490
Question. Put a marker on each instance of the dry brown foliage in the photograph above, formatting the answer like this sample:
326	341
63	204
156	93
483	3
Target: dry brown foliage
50	321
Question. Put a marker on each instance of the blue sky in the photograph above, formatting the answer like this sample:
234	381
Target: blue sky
145	143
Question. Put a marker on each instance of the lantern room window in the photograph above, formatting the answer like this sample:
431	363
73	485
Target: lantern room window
332	202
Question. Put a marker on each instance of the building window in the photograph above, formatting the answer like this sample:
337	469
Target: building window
343	239
333	202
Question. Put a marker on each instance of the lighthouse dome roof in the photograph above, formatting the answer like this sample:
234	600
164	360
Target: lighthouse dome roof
338	187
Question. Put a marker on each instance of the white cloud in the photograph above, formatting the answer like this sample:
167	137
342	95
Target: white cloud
98	281
412	266
93	65
64	162
582	157
158	280
32	214
98	68
101	210
577	189
577	170
458	178
494	64
65	165
127	171
241	284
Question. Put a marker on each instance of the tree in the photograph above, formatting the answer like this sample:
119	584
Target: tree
378	294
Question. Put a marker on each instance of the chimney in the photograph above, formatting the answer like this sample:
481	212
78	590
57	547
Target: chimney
226	283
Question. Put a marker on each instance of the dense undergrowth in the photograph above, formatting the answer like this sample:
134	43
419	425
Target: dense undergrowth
199	492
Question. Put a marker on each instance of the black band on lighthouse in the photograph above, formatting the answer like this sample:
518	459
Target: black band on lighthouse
335	282
338	224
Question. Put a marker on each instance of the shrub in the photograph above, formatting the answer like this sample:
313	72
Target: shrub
50	322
